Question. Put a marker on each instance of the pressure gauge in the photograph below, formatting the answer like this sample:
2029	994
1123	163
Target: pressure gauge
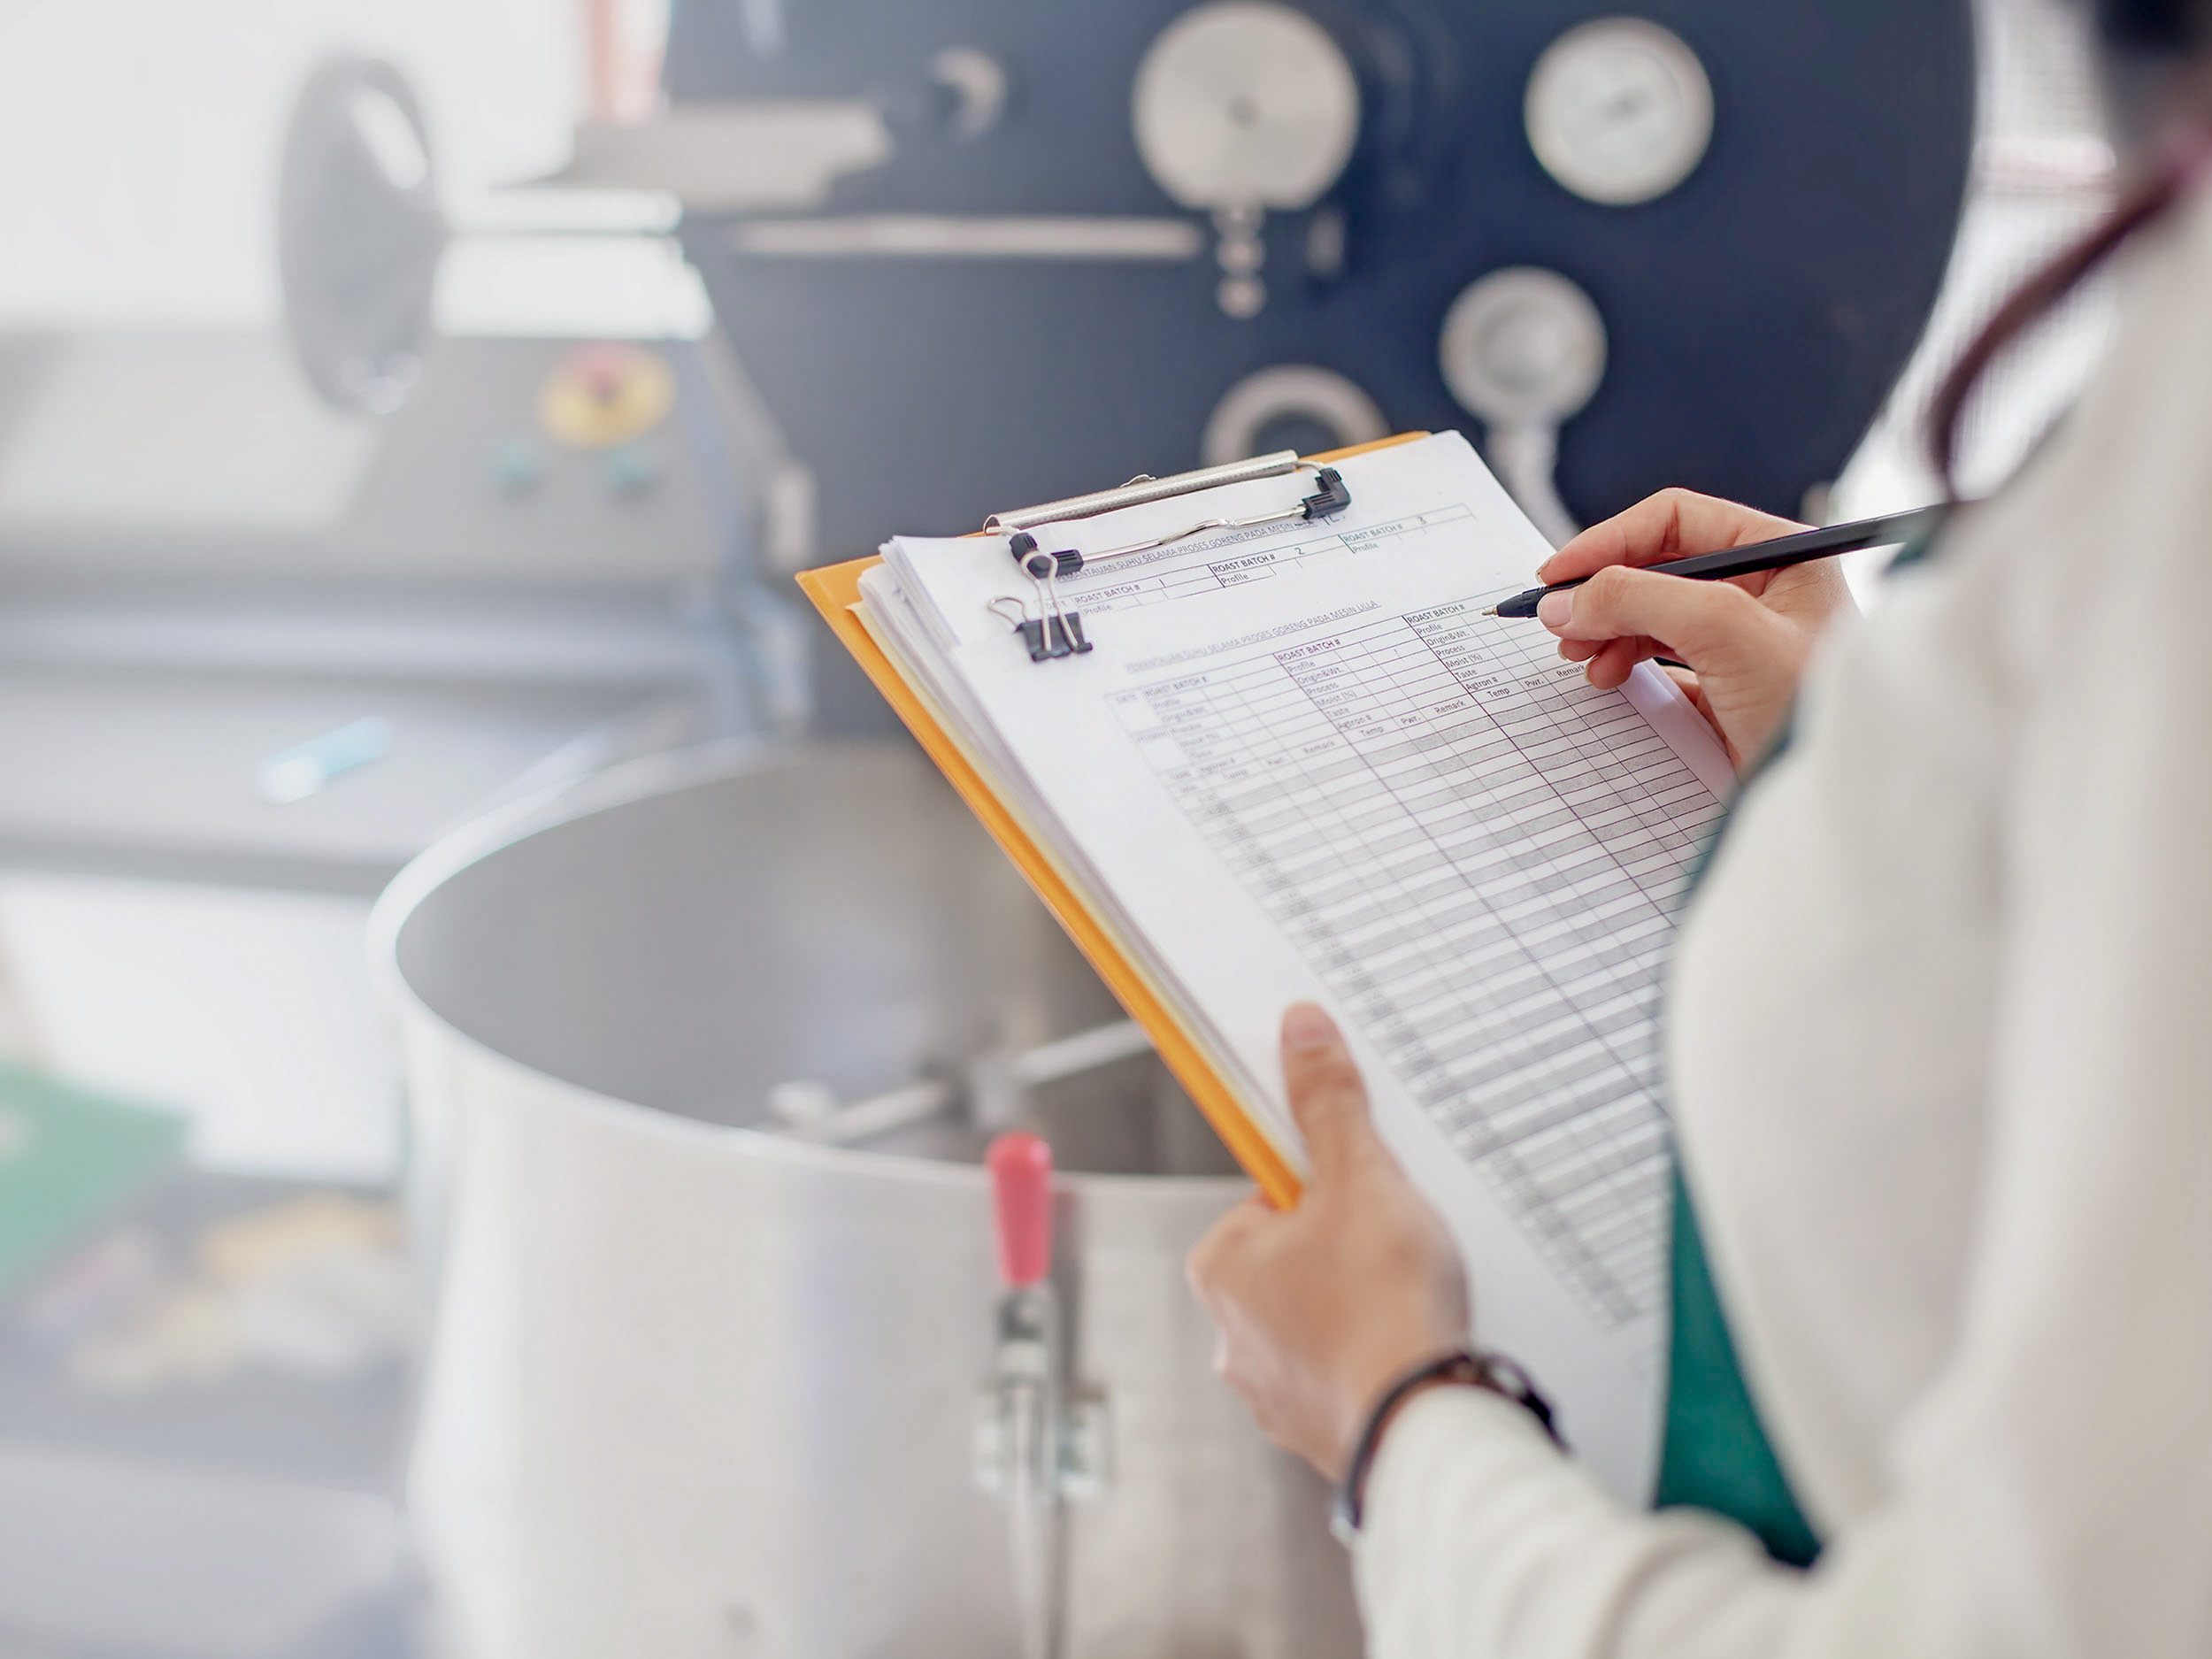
1245	104
1523	346
1524	349
1289	406
1619	110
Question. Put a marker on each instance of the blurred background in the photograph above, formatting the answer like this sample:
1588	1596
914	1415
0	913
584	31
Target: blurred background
411	413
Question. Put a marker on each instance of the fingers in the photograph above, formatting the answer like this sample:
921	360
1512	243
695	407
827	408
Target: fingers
1326	1095
1707	625
1616	660
1609	661
1673	524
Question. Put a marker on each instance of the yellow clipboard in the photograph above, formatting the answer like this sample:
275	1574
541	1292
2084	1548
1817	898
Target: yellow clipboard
834	590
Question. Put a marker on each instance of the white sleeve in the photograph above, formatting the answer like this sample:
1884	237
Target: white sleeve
2048	1494
1481	1540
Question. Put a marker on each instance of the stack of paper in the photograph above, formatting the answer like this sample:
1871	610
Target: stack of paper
1299	762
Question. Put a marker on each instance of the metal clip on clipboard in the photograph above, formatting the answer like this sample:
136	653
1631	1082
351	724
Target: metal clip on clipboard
1056	631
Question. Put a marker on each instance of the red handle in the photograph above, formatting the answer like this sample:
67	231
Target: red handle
1021	1198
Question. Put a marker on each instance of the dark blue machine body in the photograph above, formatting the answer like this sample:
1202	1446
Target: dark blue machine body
1756	315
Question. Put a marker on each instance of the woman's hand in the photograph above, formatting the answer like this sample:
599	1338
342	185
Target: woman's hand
1321	1308
1746	640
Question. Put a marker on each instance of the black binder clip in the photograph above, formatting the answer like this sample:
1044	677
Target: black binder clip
1045	637
1056	631
1042	566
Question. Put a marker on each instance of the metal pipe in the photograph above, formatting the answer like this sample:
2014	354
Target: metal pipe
944	236
1085	1051
809	1110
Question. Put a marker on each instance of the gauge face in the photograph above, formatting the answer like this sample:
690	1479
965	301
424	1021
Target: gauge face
1245	104
1619	110
1290	406
1523	346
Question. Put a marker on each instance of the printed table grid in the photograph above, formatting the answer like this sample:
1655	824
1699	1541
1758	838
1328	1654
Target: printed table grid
1479	855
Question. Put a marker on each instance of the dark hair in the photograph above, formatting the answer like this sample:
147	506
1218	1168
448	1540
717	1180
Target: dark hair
2172	28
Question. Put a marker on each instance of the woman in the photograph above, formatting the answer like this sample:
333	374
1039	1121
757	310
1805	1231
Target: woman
1941	1057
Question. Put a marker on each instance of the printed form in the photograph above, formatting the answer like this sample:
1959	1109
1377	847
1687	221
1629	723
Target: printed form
1300	762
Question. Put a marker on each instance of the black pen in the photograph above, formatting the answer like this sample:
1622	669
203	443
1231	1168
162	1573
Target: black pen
1799	548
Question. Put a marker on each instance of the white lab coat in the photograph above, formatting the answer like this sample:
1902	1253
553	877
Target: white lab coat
1940	1052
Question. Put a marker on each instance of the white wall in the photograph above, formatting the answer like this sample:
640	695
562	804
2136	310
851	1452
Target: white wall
139	139
2038	185
250	1012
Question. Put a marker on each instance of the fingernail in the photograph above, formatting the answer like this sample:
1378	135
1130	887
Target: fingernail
1306	1026
1555	610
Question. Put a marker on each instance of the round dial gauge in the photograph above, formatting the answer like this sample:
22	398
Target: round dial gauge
1523	346
1290	406
1245	104
1619	110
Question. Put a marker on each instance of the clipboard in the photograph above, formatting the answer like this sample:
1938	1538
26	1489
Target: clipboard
834	590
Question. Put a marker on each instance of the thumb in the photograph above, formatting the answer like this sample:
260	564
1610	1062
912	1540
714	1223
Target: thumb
1326	1095
1708	624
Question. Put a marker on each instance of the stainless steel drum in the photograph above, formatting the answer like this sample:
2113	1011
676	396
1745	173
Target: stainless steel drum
702	1387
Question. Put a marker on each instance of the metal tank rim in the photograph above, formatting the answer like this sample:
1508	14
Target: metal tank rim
625	784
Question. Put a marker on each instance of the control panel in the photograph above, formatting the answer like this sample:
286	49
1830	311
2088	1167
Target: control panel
1690	243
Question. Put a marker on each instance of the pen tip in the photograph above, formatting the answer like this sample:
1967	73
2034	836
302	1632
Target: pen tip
1492	612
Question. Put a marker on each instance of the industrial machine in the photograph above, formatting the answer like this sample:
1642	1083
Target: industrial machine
1691	244
278	608
706	1053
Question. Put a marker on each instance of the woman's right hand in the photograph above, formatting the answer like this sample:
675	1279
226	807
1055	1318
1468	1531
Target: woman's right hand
1746	640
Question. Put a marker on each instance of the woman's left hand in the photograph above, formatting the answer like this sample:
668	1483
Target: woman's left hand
1321	1308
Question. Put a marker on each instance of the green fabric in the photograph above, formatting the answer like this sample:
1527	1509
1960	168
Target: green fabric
1714	1454
67	1159
1714	1451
